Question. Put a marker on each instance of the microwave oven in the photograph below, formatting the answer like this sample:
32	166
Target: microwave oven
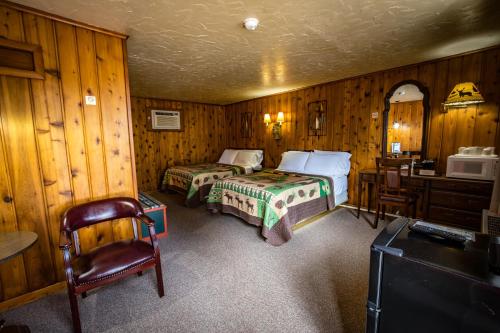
471	167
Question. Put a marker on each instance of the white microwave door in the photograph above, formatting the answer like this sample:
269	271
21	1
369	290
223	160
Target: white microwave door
475	168
468	169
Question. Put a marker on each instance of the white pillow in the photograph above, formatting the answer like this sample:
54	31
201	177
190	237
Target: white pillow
340	153
249	157
294	161
259	156
245	158
228	156
327	164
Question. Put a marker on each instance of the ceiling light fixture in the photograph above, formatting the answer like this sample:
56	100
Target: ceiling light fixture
251	23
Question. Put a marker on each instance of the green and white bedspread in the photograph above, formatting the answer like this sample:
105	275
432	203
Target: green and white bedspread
273	199
196	180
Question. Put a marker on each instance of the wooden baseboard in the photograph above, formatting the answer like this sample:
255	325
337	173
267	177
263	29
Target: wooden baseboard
32	296
310	220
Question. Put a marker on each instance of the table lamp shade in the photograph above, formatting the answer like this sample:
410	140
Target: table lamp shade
464	94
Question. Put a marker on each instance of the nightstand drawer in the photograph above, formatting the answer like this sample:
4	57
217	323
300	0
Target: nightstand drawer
473	203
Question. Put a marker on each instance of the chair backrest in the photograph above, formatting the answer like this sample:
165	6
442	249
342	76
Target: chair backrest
391	170
93	212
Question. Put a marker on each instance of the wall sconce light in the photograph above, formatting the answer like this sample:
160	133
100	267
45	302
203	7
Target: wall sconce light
267	119
396	125
280	119
462	95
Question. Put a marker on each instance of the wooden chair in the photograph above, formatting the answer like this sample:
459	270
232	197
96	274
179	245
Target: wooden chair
390	191
110	262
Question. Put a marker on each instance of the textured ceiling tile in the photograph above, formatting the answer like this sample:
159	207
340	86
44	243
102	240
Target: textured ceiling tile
198	50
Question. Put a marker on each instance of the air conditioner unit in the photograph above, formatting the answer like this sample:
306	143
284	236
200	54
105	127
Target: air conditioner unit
166	120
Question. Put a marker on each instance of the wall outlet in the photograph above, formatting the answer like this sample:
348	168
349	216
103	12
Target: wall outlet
374	115
90	100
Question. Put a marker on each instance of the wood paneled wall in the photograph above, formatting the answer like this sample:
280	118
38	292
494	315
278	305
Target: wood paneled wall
202	140
352	101
55	151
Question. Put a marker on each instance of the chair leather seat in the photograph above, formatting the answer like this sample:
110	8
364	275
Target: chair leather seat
111	259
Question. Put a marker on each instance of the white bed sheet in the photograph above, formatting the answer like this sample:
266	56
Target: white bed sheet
341	198
340	184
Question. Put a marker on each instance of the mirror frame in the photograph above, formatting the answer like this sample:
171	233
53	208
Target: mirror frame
426	115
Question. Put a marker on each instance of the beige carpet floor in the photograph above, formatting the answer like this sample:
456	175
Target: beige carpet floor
220	276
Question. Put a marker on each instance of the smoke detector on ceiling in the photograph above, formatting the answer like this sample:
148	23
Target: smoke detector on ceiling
251	23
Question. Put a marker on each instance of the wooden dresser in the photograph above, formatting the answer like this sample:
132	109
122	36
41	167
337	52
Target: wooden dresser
457	202
450	201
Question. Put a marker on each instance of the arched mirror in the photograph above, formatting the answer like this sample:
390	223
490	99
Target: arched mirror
406	117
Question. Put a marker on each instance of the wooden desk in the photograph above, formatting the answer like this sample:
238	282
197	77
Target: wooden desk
450	201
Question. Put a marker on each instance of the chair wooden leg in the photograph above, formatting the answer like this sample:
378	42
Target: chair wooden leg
375	223
414	211
75	314
159	277
383	212
84	294
139	273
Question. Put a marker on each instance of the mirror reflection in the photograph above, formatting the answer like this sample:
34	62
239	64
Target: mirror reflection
405	122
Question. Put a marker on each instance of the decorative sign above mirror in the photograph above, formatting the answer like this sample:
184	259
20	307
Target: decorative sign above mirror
316	114
405	122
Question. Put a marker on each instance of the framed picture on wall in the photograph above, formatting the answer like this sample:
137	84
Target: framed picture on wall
316	115
165	120
246	125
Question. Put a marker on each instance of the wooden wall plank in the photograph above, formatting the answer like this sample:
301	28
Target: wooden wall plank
74	122
94	141
39	30
486	125
113	94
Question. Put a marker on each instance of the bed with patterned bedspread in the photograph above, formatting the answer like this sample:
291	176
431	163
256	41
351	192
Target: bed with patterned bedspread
195	181
273	200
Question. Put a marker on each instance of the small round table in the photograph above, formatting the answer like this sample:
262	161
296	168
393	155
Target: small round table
11	245
14	243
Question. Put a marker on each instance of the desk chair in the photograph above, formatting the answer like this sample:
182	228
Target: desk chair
390	188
